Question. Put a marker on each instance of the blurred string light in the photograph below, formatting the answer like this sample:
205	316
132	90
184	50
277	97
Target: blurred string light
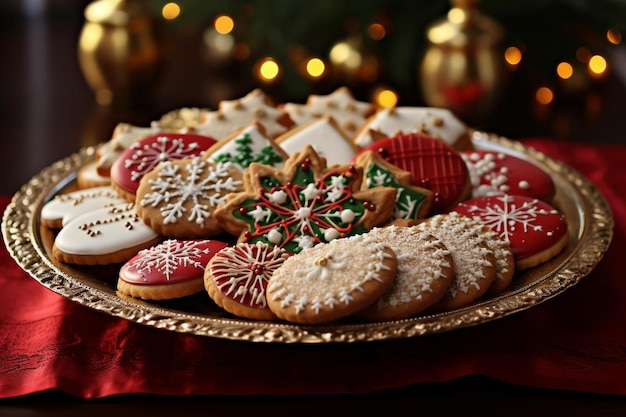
223	24
513	56
267	70
170	11
376	31
315	68
597	65
385	98
544	95
614	36
564	70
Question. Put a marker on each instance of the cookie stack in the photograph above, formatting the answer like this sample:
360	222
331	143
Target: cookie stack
308	213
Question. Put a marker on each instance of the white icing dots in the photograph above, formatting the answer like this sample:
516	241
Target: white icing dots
347	216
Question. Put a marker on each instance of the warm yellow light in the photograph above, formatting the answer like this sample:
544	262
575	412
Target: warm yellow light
315	67
344	54
268	69
457	15
513	55
544	95
614	36
386	98
564	70
376	31
170	11
224	24
597	64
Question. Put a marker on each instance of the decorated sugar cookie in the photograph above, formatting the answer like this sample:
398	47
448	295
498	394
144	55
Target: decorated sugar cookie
182	120
325	136
435	122
535	230
331	281
144	155
495	173
88	176
304	204
412	202
433	165
171	269
236	278
179	198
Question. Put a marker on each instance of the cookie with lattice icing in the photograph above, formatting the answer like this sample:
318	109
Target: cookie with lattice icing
171	269
303	204
331	281
179	198
425	270
236	278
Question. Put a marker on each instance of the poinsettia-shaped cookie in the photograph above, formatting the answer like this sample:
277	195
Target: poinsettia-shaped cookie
304	204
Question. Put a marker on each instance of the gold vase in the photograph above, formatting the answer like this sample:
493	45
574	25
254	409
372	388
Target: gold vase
463	68
119	51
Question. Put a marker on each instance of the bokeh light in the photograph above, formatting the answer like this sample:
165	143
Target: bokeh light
315	67
564	70
376	31
513	55
170	11
268	69
544	95
384	97
597	65
224	24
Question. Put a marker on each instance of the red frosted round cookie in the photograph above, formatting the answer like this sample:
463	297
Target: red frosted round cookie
432	164
172	269
495	173
535	230
145	155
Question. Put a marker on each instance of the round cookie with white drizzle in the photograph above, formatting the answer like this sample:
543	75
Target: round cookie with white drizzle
331	281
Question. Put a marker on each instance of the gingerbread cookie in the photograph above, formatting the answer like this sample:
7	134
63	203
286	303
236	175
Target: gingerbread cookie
412	202
104	236
435	122
495	173
179	198
535	230
433	165
474	262
64	207
331	281
304	204
425	270
144	155
171	269
236	278
182	120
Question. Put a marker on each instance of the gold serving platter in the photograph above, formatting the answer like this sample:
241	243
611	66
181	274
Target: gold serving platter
590	224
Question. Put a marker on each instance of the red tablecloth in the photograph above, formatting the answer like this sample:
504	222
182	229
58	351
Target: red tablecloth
576	341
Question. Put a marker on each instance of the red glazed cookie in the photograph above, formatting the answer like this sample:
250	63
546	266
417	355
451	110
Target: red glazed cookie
172	269
496	173
432	164
236	278
535	230
143	156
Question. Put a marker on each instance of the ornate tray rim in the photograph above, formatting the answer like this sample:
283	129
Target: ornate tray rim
20	233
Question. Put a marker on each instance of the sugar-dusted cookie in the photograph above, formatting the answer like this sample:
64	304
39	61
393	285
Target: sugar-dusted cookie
88	177
349	113
495	173
435	122
325	136
433	165
179	198
474	262
104	236
171	269
233	115
331	281
144	155
64	207
236	278
535	229
412	202
425	270
245	146
304	204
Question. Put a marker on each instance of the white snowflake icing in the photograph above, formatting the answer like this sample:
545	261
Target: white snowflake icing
167	257
162	149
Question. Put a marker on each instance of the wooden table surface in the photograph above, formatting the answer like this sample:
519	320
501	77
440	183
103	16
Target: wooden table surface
48	112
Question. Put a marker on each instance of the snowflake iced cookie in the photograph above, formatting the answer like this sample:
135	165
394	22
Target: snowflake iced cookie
325	136
179	198
412	202
245	146
495	173
171	269
474	262
144	155
104	236
425	270
434	122
349	113
433	165
64	207
236	278
233	115
304	204
535	230
331	281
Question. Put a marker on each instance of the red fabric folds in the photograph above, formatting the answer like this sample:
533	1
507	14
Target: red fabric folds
575	341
